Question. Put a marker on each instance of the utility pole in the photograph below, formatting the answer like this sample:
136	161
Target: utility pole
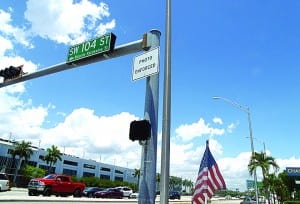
147	185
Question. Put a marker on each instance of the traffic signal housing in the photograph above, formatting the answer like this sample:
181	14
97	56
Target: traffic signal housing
140	130
11	72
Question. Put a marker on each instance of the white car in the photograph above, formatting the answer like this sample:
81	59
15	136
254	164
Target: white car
4	182
126	190
134	195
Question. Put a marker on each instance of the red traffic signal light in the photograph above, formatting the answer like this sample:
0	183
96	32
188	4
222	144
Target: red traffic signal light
140	130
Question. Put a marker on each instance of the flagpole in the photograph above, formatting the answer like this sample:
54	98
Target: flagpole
206	187
166	116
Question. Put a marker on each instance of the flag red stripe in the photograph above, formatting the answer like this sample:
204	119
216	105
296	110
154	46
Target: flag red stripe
216	177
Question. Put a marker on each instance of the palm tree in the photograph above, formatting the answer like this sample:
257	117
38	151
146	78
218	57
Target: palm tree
264	162
175	183
137	173
53	154
274	184
191	186
185	183
22	150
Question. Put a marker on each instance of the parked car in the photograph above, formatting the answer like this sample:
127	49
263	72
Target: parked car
55	184
109	193
125	190
5	184
90	191
174	195
249	200
134	195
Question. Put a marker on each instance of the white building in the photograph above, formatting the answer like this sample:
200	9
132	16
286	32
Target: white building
69	165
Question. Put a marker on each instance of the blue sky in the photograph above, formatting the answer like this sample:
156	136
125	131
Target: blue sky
246	51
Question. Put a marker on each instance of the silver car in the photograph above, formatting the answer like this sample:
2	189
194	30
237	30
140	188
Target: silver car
125	190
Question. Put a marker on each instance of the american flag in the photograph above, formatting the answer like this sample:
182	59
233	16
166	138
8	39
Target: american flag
209	178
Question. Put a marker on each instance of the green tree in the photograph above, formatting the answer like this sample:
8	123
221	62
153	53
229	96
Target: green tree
185	183
53	154
33	172
190	185
273	182
137	173
288	186
20	150
175	183
261	160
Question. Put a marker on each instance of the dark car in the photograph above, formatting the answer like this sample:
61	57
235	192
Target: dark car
174	195
90	191
109	193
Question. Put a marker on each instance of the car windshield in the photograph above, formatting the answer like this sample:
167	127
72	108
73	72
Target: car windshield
51	176
3	177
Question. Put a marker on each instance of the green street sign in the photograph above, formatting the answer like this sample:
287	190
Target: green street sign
100	45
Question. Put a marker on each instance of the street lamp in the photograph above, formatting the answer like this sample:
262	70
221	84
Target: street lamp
247	110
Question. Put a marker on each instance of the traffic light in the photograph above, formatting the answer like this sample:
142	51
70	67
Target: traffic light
140	130
11	72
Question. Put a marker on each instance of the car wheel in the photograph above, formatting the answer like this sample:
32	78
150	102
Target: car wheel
31	193
90	195
47	191
77	193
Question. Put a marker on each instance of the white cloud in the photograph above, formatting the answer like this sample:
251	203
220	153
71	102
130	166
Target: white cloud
189	131
218	121
103	27
10	34
17	34
5	45
82	130
19	117
235	170
66	22
289	162
232	126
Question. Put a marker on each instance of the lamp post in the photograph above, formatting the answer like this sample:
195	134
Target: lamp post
247	110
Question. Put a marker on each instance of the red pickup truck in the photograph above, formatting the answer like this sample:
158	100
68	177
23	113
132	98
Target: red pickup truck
55	184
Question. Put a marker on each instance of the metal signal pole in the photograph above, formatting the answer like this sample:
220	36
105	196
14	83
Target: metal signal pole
165	146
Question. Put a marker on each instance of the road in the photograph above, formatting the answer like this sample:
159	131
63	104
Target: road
19	195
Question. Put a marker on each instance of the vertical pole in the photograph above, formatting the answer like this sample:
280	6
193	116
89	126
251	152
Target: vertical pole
165	146
147	186
252	150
